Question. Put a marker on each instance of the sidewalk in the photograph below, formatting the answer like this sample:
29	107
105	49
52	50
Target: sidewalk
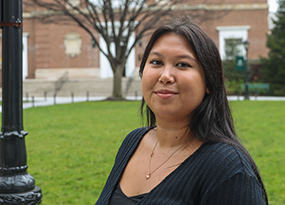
41	101
257	98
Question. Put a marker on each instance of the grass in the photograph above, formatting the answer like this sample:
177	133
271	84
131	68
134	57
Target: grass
71	148
261	128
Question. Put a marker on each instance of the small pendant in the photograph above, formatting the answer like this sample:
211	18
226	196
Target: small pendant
147	176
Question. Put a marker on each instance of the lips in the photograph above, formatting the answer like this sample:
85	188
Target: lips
165	94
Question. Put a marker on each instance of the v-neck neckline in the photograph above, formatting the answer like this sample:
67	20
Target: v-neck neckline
169	175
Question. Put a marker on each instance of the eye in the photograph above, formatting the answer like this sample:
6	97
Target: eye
156	62
183	65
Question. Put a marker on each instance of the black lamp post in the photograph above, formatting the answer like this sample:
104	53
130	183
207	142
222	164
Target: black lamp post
246	45
17	187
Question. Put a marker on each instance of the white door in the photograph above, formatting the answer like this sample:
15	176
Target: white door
25	55
105	67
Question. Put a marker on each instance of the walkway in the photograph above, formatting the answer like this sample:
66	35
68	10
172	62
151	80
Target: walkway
41	101
258	98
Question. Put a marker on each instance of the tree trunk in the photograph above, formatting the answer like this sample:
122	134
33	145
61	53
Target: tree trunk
117	82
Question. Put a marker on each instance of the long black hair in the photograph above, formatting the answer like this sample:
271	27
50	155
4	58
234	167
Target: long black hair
211	121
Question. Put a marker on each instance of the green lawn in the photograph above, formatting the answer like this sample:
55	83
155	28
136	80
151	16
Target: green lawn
261	126
71	148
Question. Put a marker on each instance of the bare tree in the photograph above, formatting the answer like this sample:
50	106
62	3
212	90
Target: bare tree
114	20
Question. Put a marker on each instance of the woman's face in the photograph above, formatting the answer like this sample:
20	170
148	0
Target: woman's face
173	82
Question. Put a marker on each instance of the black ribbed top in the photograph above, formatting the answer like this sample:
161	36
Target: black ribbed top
119	197
216	174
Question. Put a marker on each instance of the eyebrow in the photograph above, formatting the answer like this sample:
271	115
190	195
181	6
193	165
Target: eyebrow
180	56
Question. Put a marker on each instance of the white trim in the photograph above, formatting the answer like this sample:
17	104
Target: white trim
105	67
1	55
226	32
25	55
232	28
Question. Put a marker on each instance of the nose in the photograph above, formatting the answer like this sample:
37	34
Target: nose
167	76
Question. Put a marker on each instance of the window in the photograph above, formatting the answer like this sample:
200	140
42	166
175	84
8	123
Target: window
233	48
232	33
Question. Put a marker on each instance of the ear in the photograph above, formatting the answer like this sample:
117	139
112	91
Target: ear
207	91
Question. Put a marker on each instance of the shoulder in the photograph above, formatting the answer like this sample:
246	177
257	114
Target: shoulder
231	177
131	141
135	136
126	149
219	162
222	156
229	169
225	163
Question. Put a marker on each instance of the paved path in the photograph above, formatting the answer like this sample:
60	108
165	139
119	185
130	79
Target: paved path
41	101
258	98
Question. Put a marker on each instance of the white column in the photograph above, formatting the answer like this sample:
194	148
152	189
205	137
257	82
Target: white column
25	55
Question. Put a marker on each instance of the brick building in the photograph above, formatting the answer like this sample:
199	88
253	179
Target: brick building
49	50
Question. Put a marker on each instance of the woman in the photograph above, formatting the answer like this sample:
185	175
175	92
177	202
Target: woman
189	153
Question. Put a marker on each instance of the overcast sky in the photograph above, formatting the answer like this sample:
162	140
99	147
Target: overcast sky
272	5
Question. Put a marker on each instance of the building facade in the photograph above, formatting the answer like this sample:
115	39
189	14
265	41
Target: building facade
50	50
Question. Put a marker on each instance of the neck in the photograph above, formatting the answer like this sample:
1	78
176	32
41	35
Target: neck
170	137
169	140
172	134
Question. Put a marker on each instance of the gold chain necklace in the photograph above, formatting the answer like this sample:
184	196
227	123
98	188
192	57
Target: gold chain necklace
151	155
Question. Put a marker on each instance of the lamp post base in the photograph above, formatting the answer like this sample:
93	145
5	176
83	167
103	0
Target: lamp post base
33	197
